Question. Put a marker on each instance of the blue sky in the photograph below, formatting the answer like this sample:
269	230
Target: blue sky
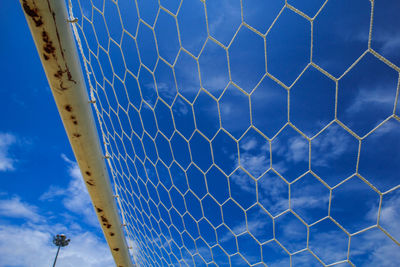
238	133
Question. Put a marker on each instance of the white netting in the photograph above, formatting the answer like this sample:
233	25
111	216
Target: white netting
249	132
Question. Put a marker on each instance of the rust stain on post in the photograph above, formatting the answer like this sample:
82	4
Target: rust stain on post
49	50
32	12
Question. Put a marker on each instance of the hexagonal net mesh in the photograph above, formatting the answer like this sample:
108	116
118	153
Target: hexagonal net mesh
249	132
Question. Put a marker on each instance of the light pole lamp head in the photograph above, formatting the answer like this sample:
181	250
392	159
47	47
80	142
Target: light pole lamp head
61	240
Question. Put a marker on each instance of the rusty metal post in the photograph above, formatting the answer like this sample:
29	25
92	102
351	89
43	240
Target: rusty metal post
48	22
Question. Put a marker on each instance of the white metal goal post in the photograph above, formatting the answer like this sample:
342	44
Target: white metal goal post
52	34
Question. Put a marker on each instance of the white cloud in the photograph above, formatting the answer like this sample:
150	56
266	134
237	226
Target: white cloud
368	96
330	245
391	127
166	91
254	156
181	107
330	145
273	193
52	193
390	214
294	149
30	243
258	227
134	251
374	248
215	84
293	229
298	149
310	202
249	144
7	162
230	14
75	197
255	164
390	41
243	181
73	168
32	246
15	208
187	75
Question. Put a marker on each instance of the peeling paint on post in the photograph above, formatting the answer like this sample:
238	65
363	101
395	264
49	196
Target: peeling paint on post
48	22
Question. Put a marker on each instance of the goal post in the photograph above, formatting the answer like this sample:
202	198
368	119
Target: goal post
53	37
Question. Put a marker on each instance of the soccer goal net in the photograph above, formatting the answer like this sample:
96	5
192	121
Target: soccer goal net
243	132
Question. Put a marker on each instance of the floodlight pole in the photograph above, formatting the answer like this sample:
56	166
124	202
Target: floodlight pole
60	241
55	260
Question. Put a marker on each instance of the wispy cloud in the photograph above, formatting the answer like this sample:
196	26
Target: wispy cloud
290	154
254	154
222	25
330	145
298	149
389	40
374	248
259	227
295	149
73	168
328	242
390	214
243	181
310	202
75	197
7	162
293	228
389	127
15	208
166	91
368	96
273	193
